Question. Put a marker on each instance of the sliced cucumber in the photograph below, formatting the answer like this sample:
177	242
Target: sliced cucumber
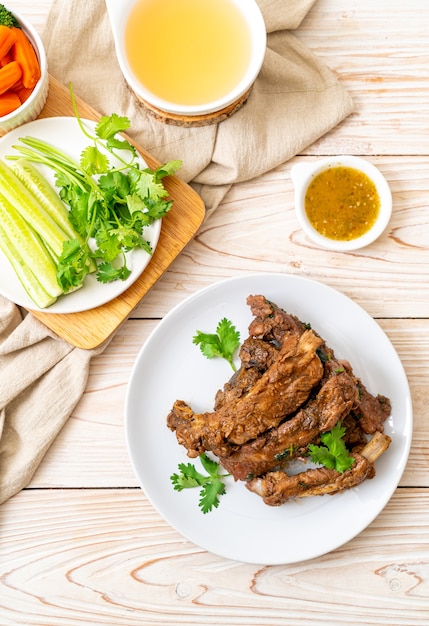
45	194
31	210
31	249
28	280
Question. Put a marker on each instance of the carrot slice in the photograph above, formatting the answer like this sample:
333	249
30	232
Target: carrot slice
24	93
18	85
7	39
9	102
6	59
9	75
24	54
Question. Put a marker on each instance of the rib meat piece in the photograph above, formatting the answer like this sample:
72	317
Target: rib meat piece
372	411
334	402
277	487
270	322
256	357
258	352
354	437
280	391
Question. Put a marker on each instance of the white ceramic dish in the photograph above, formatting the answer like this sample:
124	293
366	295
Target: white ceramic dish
31	108
64	133
170	367
118	14
302	175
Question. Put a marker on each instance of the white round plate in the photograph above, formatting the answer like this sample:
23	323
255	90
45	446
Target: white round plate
64	133
170	367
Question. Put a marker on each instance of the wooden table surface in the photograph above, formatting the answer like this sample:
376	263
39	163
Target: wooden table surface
82	544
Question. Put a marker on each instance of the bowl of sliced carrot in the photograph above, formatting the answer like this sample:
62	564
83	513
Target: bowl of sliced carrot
24	79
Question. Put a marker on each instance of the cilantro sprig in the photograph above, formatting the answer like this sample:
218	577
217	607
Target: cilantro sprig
221	344
109	205
333	454
212	485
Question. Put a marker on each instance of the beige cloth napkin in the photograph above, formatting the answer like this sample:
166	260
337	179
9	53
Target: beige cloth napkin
295	100
41	380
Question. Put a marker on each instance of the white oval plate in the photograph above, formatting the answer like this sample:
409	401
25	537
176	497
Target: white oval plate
65	134
170	367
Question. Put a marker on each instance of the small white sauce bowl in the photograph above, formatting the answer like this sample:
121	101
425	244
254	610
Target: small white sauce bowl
302	175
30	109
118	15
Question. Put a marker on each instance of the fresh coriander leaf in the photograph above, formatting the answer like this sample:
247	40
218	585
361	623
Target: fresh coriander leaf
221	344
322	456
92	161
113	143
73	265
209	344
116	183
333	454
129	239
212	485
86	211
229	338
211	466
209	495
189	477
107	273
135	204
109	125
167	169
108	244
148	187
155	209
336	434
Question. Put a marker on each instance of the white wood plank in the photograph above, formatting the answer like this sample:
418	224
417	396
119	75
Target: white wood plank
106	557
35	12
380	52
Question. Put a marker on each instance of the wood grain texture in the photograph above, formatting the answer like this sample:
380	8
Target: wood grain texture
83	546
107	558
381	56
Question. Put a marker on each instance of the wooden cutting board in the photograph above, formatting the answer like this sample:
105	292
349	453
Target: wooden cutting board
88	329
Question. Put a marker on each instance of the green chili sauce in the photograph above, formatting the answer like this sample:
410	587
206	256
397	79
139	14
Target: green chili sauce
342	203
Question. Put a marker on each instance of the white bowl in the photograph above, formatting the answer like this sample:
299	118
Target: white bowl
118	14
31	108
303	174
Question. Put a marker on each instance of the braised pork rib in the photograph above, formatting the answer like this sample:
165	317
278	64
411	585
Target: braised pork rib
280	391
289	389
